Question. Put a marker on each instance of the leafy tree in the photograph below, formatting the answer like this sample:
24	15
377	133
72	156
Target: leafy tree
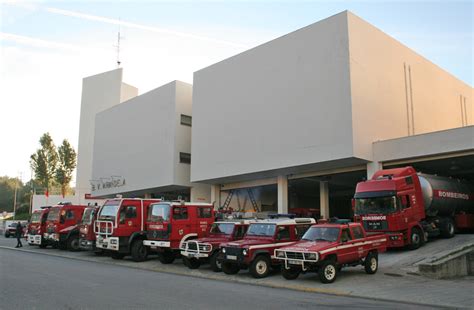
66	165
44	162
7	192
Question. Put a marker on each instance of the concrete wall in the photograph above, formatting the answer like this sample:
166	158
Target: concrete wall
396	92
99	92
284	103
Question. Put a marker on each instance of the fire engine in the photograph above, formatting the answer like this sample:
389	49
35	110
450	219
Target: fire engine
37	226
86	230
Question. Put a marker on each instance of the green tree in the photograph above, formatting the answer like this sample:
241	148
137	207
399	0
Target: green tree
66	165
44	162
7	192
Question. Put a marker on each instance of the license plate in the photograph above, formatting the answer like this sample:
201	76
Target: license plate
232	257
192	254
295	262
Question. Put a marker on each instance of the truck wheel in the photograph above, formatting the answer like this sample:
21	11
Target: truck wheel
230	268
99	252
166	257
290	274
117	255
371	263
447	228
416	238
216	266
7	234
73	244
260	266
192	263
139	251
43	245
327	272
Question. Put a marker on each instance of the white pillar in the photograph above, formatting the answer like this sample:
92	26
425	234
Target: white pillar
324	199
216	195
282	182
373	167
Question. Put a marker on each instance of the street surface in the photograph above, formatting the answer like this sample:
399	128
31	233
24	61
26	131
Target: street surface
34	281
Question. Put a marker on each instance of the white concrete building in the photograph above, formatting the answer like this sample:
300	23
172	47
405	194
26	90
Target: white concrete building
300	119
142	147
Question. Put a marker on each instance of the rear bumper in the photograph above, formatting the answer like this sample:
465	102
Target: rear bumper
34	239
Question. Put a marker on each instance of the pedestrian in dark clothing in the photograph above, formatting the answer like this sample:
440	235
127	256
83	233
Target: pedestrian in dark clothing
18	233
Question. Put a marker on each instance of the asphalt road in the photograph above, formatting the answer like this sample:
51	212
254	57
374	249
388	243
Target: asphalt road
35	281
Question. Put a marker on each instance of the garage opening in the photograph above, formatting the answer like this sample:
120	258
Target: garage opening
251	200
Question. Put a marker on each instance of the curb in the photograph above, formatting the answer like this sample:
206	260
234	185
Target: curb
233	279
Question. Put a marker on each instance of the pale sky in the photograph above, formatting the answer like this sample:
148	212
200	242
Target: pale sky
47	47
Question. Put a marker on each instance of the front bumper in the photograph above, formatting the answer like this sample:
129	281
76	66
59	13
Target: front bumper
51	237
292	259
86	245
157	243
107	243
395	240
34	239
194	254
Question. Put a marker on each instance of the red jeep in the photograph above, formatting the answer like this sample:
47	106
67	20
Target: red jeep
255	250
61	226
205	249
171	223
86	230
120	227
326	248
37	226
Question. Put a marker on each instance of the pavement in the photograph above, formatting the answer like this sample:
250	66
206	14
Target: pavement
396	280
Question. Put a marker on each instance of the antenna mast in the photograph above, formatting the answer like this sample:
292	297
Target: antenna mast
118	46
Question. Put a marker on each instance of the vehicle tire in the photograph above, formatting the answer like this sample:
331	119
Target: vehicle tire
191	263
371	263
72	244
416	238
327	271
260	266
99	252
7	235
166	257
117	255
447	228
290	274
216	266
230	268
138	251
43	245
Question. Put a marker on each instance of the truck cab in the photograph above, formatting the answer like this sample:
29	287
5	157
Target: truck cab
206	249
37	226
263	237
86	229
169	224
120	227
61	226
326	248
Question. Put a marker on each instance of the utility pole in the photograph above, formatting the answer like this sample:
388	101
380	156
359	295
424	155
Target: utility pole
14	196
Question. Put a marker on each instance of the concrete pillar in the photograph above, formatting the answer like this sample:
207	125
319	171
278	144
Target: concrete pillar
324	199
216	195
373	167
282	183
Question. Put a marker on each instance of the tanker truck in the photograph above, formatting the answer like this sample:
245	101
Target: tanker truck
410	207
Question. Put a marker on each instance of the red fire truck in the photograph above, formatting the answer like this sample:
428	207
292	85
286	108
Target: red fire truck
205	249
411	207
255	250
326	248
172	223
61	225
86	230
37	226
120	227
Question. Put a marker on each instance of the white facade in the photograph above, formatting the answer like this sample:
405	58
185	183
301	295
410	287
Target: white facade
137	146
99	92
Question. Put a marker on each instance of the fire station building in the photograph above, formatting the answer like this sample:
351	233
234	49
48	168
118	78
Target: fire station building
291	124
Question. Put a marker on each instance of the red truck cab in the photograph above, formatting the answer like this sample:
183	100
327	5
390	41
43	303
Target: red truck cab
326	248
61	226
207	249
120	227
263	237
37	226
86	229
169	224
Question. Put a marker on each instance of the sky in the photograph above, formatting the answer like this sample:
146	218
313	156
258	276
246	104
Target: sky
47	47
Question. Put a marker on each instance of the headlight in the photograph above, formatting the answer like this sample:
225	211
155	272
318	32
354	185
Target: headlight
280	254
245	252
207	248
311	256
183	245
223	250
86	230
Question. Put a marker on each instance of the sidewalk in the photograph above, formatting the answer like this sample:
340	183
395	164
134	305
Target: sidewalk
385	285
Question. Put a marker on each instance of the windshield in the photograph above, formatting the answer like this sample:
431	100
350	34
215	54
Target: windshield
35	217
321	234
261	230
88	216
376	205
159	212
109	210
53	214
222	228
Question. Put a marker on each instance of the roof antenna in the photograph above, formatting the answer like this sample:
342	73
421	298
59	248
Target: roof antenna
118	45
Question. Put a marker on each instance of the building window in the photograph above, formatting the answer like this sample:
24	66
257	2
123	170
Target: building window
184	158
186	120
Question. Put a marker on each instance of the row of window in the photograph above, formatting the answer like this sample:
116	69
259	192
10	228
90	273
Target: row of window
179	213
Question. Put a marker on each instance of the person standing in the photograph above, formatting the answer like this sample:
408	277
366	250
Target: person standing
18	233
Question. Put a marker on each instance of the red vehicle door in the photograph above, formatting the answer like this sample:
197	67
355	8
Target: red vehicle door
129	220
181	222
347	252
357	233
205	218
68	217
